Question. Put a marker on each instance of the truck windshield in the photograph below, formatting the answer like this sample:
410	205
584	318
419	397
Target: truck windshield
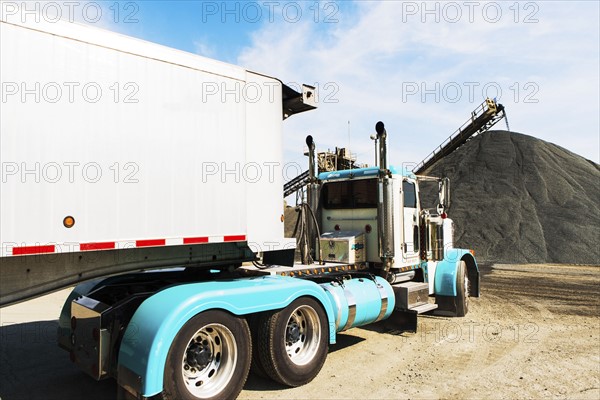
350	194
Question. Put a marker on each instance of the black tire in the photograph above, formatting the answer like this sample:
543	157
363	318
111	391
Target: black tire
462	290
456	306
123	394
209	358
256	367
292	344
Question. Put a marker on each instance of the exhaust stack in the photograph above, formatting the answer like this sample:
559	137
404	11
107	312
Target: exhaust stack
311	159
385	216
382	136
312	199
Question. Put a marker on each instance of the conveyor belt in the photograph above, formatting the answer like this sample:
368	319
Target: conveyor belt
482	119
295	184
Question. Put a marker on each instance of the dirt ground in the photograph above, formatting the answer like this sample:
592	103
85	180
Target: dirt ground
534	333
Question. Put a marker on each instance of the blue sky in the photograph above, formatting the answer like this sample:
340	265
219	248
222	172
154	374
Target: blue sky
421	67
217	29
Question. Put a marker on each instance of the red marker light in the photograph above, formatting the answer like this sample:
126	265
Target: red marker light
444	215
368	228
337	227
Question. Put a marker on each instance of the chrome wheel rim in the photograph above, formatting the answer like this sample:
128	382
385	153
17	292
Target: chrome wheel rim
209	360
302	336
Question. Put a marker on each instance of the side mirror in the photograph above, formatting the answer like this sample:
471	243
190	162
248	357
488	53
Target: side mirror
444	193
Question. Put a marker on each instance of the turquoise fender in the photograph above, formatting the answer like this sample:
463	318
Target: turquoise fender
148	337
445	272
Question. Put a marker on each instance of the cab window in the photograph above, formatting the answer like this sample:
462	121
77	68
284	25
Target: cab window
350	194
410	194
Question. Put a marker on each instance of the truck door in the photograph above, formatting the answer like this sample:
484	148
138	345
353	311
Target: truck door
410	243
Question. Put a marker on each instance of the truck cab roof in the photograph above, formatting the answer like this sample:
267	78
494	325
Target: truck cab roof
363	173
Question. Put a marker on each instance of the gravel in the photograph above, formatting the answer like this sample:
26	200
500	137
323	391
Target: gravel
516	198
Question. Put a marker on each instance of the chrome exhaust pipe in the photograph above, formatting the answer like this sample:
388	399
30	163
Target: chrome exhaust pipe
385	212
312	199
382	136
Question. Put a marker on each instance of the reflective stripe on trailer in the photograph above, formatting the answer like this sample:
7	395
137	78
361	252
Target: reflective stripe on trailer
97	246
8	250
26	250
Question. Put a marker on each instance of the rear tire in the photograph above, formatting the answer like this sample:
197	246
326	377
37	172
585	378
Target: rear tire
292	344
256	368
209	358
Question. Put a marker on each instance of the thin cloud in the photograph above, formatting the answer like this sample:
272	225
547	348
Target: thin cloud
546	73
204	49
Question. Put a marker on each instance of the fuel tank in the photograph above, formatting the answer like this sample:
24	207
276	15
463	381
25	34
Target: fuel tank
360	300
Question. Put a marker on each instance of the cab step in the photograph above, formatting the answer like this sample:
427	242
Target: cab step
412	299
423	308
410	295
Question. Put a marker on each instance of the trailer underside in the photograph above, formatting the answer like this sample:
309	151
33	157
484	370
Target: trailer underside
26	277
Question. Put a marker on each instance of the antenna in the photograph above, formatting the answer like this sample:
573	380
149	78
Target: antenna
349	149
348	134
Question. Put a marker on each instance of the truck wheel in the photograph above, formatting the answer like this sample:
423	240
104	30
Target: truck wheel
209	358
462	290
292	343
256	368
456	306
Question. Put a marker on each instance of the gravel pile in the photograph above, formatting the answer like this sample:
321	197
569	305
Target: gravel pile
516	198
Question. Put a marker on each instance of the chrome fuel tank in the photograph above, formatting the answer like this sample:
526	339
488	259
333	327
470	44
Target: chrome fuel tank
360	301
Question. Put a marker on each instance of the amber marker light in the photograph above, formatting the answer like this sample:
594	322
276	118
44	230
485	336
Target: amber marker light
69	221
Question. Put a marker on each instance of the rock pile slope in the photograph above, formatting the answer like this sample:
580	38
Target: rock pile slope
516	198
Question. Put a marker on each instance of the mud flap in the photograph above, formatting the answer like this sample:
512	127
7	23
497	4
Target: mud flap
402	320
446	306
123	394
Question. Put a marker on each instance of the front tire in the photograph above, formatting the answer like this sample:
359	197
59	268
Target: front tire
209	358
462	290
292	344
456	306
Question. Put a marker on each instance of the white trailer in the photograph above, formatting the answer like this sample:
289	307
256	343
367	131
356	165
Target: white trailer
137	146
150	176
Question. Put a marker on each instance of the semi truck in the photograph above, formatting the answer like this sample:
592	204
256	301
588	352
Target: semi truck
151	180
